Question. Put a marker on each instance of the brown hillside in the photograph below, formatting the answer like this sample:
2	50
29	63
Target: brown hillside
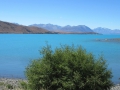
6	27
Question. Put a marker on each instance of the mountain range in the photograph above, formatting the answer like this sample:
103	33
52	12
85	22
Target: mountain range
6	27
106	31
77	29
68	28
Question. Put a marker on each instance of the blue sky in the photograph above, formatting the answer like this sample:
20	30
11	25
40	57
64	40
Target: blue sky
92	13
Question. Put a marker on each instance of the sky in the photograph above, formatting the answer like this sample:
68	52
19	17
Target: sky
92	13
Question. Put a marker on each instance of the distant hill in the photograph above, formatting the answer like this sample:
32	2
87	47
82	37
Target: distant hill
79	29
106	31
65	29
50	27
6	27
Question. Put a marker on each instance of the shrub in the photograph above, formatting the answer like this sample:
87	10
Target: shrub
9	86
68	68
1	83
24	85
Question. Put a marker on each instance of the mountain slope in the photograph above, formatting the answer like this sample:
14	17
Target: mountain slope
6	27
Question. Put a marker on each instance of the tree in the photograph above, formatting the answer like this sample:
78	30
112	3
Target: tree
68	68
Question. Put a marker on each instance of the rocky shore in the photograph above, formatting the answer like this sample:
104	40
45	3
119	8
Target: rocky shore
15	84
11	84
116	87
109	40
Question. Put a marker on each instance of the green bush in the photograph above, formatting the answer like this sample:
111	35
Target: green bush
24	85
9	86
1	84
68	68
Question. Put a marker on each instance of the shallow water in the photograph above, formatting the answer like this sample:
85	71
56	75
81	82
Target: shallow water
17	50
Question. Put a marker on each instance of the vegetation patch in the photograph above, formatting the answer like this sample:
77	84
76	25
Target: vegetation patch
68	68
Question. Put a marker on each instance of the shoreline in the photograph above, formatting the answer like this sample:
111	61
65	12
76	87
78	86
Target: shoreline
11	83
15	83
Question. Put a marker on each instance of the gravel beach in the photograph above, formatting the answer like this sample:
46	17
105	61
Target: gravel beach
5	83
11	84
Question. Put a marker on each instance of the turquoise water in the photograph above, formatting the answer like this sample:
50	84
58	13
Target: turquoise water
17	50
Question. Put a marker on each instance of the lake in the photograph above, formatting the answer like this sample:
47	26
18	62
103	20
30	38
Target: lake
17	50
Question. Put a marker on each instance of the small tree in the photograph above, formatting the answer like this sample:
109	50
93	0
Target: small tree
68	68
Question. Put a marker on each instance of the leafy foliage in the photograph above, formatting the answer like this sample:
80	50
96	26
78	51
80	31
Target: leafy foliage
24	85
68	68
9	86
